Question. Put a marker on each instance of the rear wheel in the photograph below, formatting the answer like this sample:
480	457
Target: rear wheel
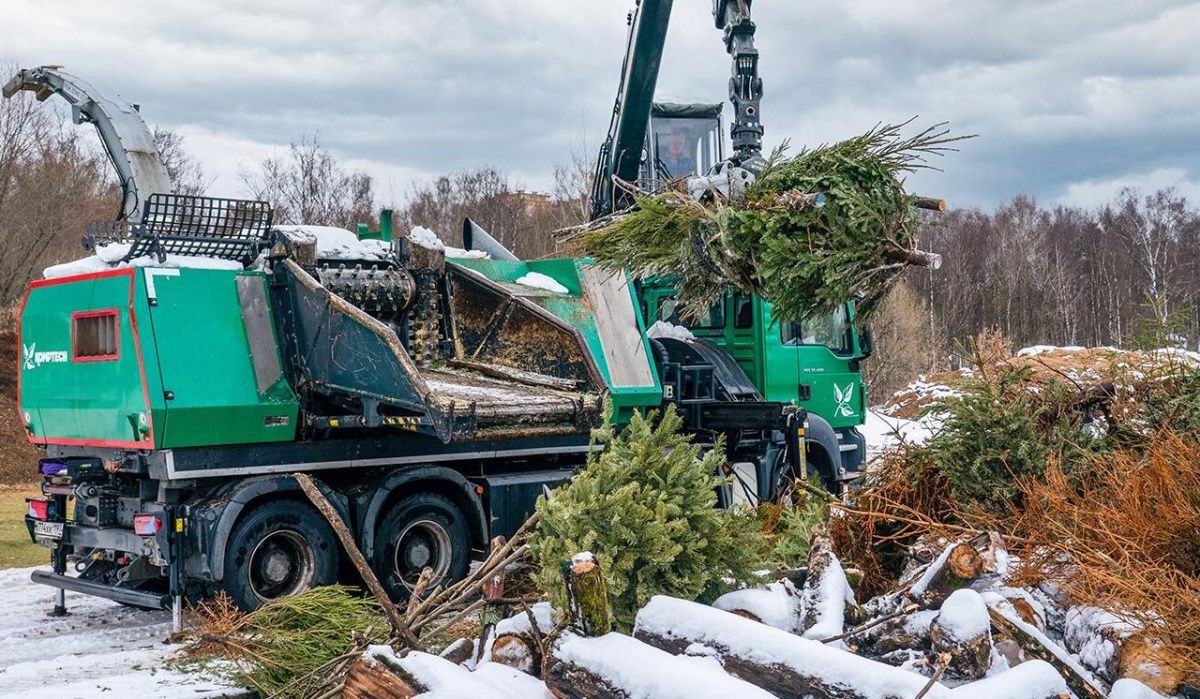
419	531
277	550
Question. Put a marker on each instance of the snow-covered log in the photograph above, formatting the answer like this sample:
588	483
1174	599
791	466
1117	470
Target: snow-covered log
615	666
379	672
776	605
1032	680
1144	659
826	598
781	663
1035	643
459	652
962	630
1132	689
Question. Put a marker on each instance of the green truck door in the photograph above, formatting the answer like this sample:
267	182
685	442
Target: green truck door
214	389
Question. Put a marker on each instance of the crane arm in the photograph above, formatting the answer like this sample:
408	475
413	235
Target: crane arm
127	140
745	85
621	154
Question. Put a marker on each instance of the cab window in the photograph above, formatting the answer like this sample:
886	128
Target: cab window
743	311
831	330
712	319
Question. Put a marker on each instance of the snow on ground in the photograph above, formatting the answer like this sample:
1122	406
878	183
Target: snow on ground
100	649
537	280
882	432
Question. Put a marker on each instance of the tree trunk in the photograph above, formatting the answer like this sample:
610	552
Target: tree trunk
781	663
616	666
587	596
916	258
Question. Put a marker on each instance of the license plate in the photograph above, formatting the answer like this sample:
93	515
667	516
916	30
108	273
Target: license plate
53	530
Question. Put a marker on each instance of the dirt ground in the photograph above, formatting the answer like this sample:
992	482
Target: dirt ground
15	548
17	458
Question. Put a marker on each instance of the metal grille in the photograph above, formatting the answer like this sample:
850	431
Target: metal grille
174	224
105	232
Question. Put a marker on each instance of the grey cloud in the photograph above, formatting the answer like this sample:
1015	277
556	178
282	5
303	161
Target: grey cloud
1060	91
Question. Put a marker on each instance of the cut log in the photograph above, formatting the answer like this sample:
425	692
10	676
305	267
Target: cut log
957	566
587	596
781	663
961	633
1039	646
1113	647
1144	659
826	599
517	640
377	673
615	666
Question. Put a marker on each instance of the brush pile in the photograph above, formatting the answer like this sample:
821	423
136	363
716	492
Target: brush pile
1083	462
829	224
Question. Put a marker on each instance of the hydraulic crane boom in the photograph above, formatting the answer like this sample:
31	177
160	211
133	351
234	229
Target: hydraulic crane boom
127	139
745	85
621	154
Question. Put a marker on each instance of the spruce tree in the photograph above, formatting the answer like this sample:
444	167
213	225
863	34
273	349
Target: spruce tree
645	507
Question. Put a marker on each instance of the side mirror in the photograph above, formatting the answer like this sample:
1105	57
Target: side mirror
866	343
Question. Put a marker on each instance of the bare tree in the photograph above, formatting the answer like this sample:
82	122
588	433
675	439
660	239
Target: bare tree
308	185
184	169
52	183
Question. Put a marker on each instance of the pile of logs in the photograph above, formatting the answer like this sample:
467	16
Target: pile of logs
951	629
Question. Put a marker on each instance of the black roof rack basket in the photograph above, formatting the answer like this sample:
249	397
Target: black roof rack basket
177	224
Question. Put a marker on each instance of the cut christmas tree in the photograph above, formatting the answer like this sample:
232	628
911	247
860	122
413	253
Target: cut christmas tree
829	224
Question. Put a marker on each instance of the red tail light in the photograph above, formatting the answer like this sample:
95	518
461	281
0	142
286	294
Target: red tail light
146	525
39	509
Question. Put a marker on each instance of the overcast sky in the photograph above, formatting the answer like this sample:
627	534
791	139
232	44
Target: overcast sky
1071	98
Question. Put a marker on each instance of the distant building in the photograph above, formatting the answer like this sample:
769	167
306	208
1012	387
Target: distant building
531	202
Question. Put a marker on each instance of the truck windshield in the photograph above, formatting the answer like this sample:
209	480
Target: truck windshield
832	331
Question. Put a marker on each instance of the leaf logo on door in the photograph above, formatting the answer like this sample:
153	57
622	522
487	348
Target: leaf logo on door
843	396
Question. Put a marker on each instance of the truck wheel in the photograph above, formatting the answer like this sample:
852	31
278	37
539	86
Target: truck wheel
277	550
423	530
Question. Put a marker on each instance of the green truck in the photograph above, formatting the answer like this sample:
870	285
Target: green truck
176	393
178	383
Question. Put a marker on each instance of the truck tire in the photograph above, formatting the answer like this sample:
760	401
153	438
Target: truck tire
421	530
278	549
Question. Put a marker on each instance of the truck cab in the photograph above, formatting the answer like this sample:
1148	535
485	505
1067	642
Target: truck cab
815	364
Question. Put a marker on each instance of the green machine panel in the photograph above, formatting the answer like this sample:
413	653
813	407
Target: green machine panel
82	375
217	358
